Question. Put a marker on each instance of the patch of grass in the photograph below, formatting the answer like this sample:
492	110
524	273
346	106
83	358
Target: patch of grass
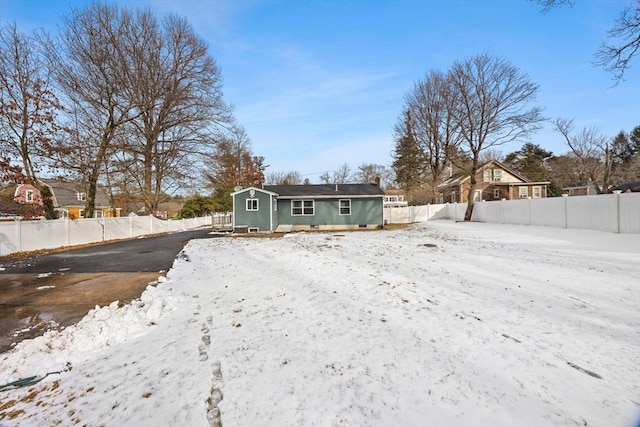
7	405
396	226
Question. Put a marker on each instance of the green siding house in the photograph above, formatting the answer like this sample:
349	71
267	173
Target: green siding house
307	207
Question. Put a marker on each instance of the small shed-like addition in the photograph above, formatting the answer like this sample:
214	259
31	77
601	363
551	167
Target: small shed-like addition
285	208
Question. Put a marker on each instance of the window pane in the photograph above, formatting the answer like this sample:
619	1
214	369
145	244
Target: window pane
296	207
252	204
536	192
345	207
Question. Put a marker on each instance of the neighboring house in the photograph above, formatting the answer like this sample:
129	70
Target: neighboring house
494	181
395	199
580	189
69	199
628	187
307	207
10	209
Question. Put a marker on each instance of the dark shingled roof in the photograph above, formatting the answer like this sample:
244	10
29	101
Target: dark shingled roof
66	193
325	190
628	186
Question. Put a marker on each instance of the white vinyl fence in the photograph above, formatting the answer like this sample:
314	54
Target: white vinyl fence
20	236
615	213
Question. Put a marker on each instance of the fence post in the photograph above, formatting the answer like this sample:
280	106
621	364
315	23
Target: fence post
566	214
617	193
67	229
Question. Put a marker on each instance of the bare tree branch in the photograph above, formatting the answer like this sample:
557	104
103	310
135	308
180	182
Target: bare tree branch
624	42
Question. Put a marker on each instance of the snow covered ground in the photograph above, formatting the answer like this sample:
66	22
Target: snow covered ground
439	324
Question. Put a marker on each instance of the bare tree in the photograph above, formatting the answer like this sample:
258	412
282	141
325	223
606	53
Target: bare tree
623	42
623	45
342	175
370	172
284	178
430	111
233	164
91	64
28	108
547	5
565	170
492	108
598	157
177	88
491	154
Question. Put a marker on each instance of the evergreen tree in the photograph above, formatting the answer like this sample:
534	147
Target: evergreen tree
408	158
222	200
625	151
197	207
529	161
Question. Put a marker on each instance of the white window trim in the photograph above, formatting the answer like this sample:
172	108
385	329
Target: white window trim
497	175
477	196
340	207
303	207
496	193
29	196
523	194
82	196
534	190
249	205
486	175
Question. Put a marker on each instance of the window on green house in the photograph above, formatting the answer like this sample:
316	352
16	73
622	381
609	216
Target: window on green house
345	207
302	207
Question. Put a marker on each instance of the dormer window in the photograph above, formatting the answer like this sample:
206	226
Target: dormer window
29	196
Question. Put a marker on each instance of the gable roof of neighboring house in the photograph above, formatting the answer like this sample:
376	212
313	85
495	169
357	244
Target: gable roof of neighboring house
634	187
455	179
460	177
66	193
578	185
326	190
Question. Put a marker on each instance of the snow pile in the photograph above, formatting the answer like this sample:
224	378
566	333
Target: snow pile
439	324
101	327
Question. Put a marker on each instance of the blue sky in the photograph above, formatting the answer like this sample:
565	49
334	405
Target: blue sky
320	83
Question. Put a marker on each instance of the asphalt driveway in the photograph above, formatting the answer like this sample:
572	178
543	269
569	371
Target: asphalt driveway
56	289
